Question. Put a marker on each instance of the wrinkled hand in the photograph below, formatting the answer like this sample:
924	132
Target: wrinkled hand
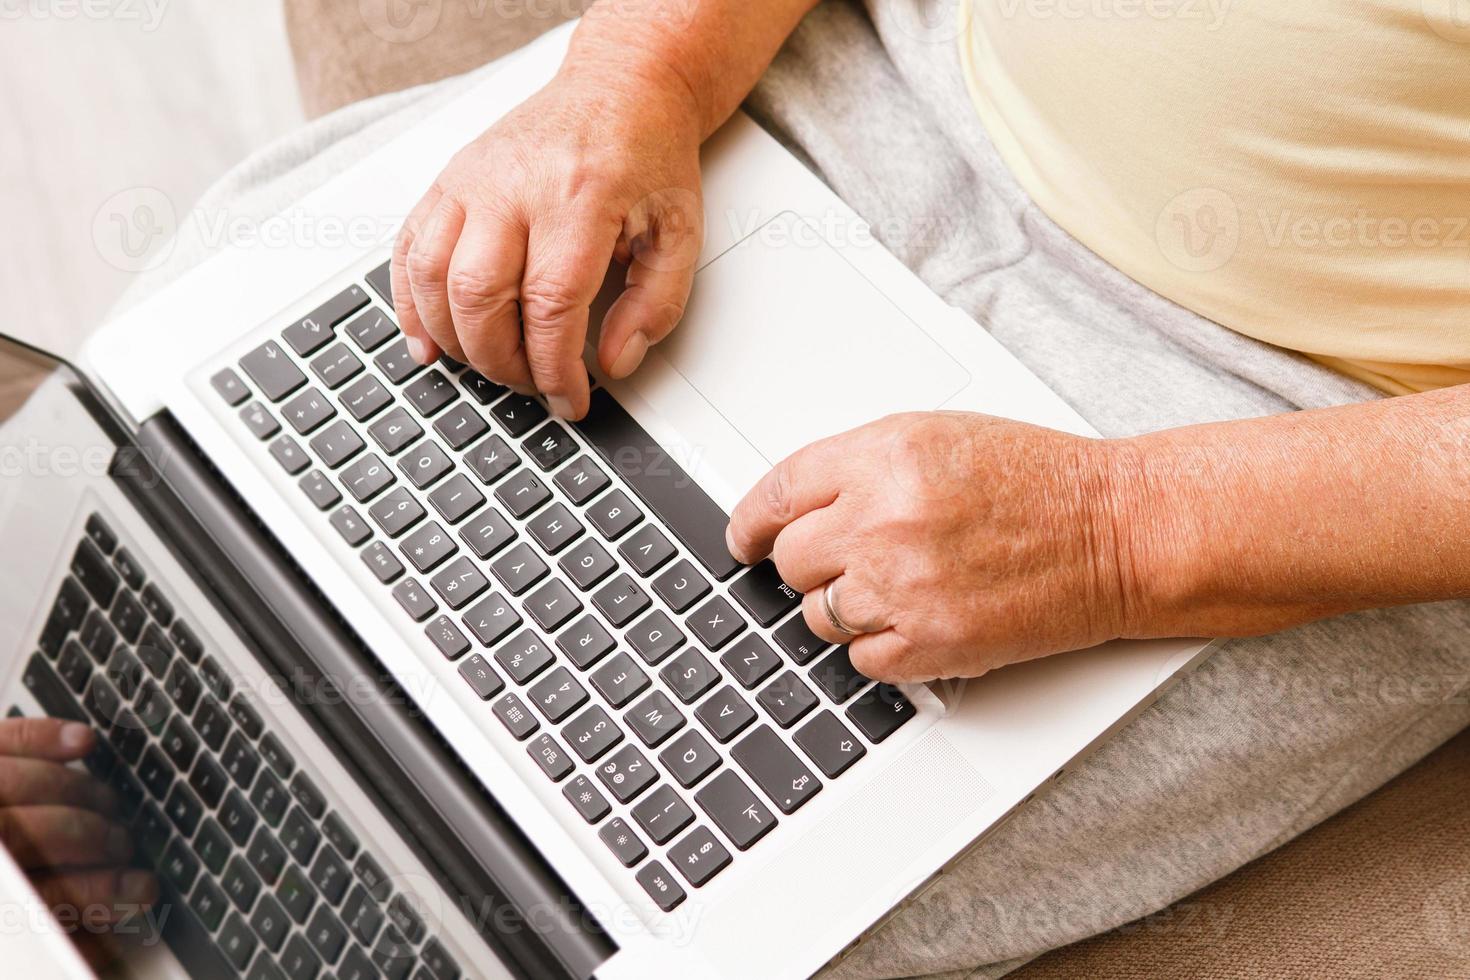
959	542
500	261
57	822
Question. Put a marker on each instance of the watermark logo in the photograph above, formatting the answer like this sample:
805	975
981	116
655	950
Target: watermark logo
1199	230
134	229
147	14
1210	13
1450	19
933	21
401	21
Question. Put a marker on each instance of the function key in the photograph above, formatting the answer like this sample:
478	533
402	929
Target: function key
763	594
289	454
660	885
515	716
381	279
582	480
716	623
681	586
587	798
319	490
880	712
313	331
699	856
430	393
776	769
259	421
277	756
246	716
350	525
187	642
829	744
397	364
336	366
481	388
797	639
340	836
414	599
273	371
481	677
102	535
623	842
230	387
384	565
371	330
550	446
308	796
518	414
551	757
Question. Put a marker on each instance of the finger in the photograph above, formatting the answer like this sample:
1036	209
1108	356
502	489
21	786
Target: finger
813	549
887	656
566	262
484	290
856	606
420	345
59	836
662	255
428	274
27	782
46	738
104	895
806	480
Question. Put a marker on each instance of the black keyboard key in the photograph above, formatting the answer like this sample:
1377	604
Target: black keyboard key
829	744
551	757
156	773
102	702
300	836
276	756
319	490
750	661
366	478
336	366
406	918
127	566
289	454
647	550
660	482
182	687
522	493
308	411
517	414
655	636
129	791
297	894
74	667
371	874
716	623
459	582
525	656
181	744
270	922
97	636
689	675
340	836
491	619
481	678
763	594
151	832
241	884
614	514
209	904
456	498
314	331
184	809
681	586
310	798
623	842
552	605
396	363
209	781
620	599
582	480
246	716
880	711
663	814
550	446
258	419
270	798
91	569
587	564
735	809
337	443
357	965
557	695
152	707
787	699
725	714
797	639
395	431
515	716
327	934
626	773
393	954
240	761
655	719
519	569
124	670
237	942
587	799
350	525
592	733
331	875
660	885
585	642
555	528
425	464
158	607
299	960
491	459
397	512
230	387
480	388
128	736
211	723
266	856
837	677
365	398
216	679
371	330
460	426
689	758
776	769
619	680
428	547
430	394
414	599
447	638
273	371
698	856
487	533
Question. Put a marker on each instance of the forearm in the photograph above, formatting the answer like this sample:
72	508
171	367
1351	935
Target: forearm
1248	527
713	51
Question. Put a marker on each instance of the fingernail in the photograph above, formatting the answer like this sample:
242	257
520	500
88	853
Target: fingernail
418	349
75	736
561	407
632	355
119	843
730	544
136	888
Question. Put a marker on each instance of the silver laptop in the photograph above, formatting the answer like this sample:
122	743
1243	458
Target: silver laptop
401	676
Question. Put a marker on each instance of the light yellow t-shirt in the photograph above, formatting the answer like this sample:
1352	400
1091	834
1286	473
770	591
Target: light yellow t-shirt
1297	170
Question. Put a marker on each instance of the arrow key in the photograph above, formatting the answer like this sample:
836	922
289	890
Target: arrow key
829	744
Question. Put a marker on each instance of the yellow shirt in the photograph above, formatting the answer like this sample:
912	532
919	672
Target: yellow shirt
1297	171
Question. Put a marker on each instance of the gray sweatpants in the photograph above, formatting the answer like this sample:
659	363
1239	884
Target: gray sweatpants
1268	738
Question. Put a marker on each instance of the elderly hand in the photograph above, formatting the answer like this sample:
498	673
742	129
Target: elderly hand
956	543
500	261
56	821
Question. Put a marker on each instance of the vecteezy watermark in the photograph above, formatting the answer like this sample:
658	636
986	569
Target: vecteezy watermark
134	229
142	923
408	21
1362	229
1450	19
1199	230
148	14
1210	13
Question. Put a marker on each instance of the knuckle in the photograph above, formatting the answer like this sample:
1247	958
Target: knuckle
546	301
473	290
425	266
777	489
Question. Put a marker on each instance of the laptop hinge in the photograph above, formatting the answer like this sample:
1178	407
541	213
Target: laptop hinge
521	906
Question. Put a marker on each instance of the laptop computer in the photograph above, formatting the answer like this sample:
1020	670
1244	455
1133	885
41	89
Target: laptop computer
401	676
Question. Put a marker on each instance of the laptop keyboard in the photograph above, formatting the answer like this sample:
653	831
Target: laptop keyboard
260	876
579	581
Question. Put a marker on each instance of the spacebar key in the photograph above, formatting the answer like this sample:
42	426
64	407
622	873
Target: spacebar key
678	501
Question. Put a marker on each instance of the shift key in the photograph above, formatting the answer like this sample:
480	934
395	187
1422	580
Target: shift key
776	769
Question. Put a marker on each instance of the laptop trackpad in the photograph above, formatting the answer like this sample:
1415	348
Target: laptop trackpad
789	343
